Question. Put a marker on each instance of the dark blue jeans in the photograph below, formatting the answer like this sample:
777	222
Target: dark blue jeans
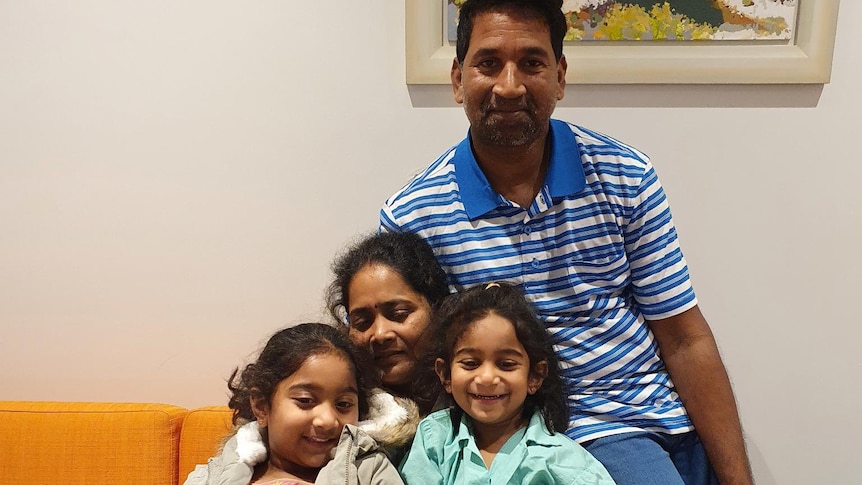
645	458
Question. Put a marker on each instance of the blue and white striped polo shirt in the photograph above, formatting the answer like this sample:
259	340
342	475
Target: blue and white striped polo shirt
596	253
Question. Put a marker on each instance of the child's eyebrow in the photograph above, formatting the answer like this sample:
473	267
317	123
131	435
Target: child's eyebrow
310	386
498	352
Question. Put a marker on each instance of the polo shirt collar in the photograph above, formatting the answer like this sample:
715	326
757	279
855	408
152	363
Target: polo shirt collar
565	172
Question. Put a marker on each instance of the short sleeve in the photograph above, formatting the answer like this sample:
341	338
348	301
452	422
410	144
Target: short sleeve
659	273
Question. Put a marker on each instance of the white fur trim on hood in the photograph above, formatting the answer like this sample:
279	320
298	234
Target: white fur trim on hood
391	420
249	444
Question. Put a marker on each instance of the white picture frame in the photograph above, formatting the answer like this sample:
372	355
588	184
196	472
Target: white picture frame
807	59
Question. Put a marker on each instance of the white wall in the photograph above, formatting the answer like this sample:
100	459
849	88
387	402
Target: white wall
159	215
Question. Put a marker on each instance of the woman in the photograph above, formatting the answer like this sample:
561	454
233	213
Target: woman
386	287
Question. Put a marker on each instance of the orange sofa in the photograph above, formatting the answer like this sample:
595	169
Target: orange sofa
106	443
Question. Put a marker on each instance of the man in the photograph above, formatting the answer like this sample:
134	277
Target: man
580	221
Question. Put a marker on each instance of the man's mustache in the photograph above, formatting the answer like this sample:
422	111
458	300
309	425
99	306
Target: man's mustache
495	105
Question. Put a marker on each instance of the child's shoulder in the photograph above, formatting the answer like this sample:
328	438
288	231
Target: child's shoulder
538	433
563	457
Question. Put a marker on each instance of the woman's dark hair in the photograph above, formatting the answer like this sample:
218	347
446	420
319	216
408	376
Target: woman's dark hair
405	253
457	314
549	11
284	354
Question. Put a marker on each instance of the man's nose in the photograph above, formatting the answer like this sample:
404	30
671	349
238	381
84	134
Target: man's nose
509	82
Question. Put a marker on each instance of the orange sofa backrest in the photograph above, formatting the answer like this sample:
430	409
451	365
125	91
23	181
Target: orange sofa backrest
90	443
203	431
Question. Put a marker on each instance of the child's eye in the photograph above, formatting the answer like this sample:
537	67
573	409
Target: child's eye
304	402
345	405
507	365
468	364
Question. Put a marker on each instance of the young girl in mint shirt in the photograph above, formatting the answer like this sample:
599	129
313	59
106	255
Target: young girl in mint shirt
496	362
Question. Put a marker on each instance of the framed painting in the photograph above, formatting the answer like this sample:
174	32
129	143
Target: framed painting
637	42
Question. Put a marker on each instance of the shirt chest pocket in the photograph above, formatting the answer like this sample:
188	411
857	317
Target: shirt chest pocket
597	281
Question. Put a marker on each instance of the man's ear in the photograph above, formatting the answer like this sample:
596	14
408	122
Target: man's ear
537	376
562	65
259	407
440	368
455	76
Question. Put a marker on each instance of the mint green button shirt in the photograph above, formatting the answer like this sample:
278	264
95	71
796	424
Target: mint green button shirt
531	456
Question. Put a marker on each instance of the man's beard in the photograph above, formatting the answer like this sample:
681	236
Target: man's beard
507	133
515	135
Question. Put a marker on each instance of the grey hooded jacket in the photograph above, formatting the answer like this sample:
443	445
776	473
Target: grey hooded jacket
358	460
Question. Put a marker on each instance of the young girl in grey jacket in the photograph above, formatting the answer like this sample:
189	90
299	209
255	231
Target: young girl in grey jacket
297	411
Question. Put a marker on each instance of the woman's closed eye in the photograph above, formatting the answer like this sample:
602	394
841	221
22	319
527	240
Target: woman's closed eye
359	320
399	315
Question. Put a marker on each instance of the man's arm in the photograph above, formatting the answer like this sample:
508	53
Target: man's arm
690	353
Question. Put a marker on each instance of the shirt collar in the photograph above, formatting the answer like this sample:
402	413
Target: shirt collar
565	172
537	431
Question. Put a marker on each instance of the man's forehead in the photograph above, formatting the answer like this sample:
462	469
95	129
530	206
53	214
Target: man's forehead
492	29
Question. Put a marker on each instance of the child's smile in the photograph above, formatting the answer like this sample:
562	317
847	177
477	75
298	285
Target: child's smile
324	444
